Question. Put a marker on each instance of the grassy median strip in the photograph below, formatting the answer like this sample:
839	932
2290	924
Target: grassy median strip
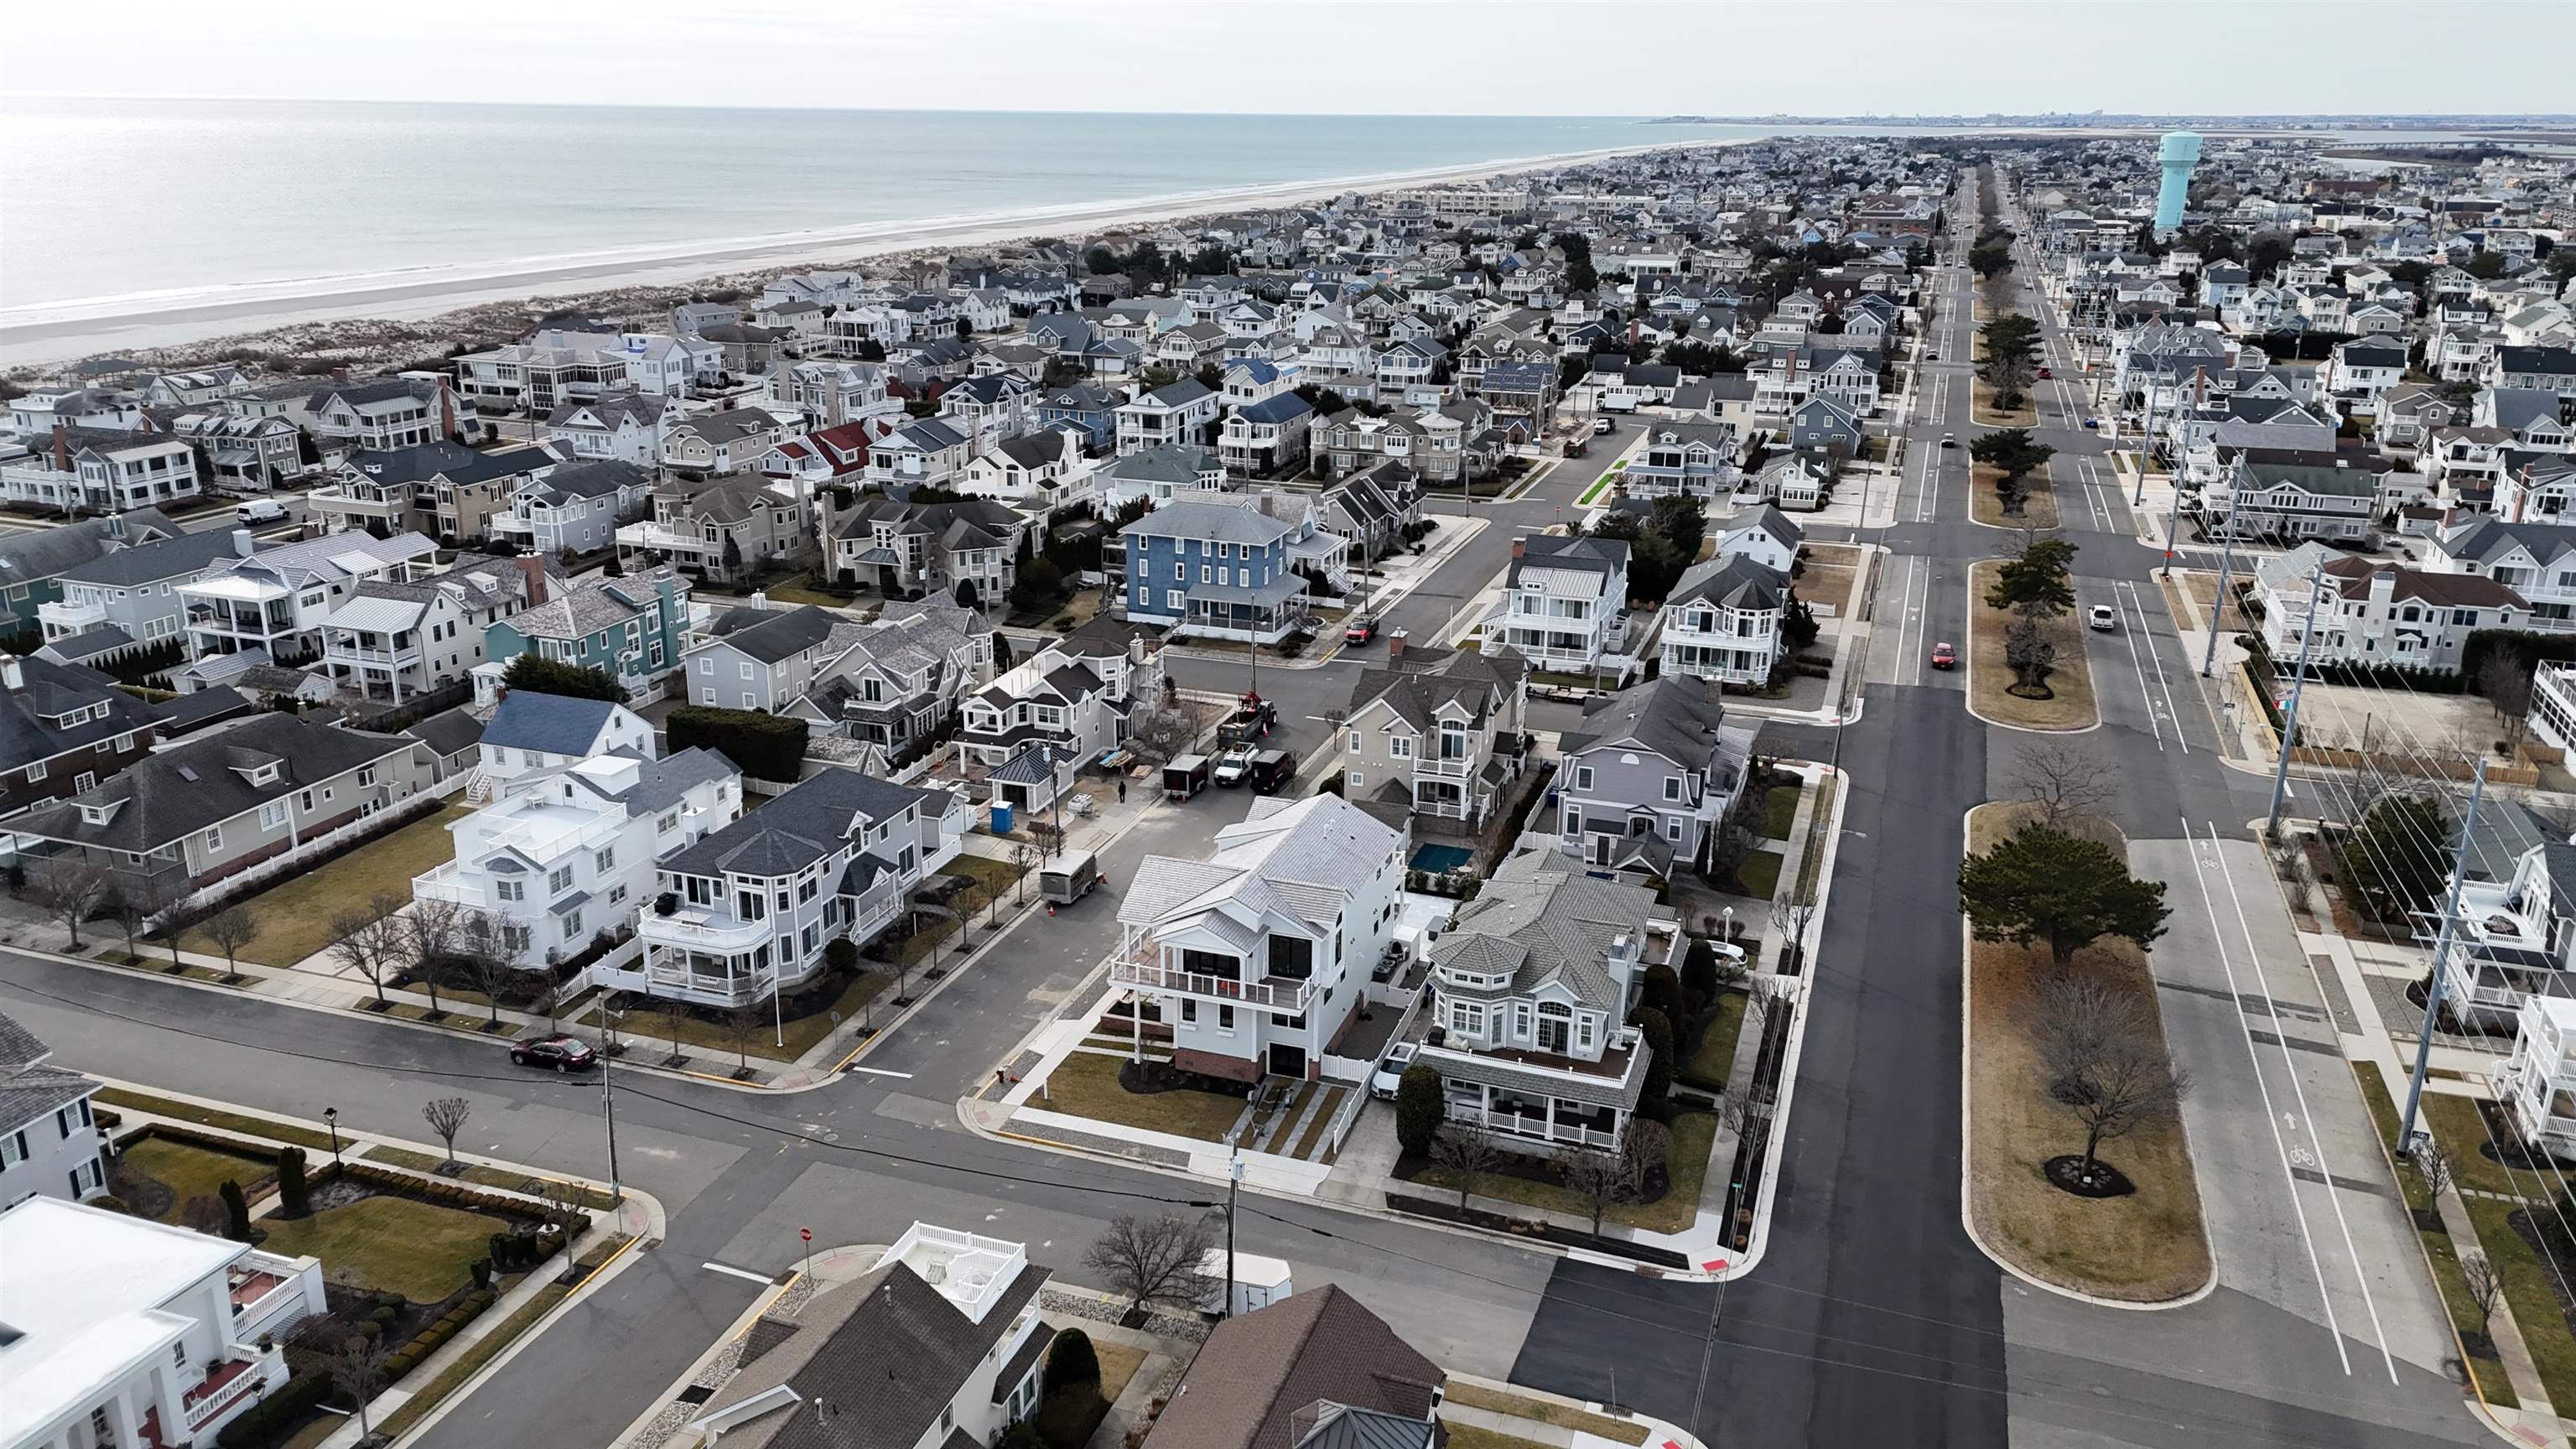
2147	1247
216	1117
2038	500
2070	682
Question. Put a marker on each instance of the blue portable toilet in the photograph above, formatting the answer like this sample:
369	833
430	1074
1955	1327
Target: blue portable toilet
1001	817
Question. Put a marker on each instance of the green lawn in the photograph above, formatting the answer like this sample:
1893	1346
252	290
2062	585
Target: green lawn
188	1170
1781	806
1085	1084
1468	1436
1760	874
304	1137
391	1244
1694	1133
2455	1121
1716	1054
2439	1251
295	915
2528	1287
987	879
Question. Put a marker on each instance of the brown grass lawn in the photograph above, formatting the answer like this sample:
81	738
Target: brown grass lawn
1985	411
1118	1364
295	914
1990	680
1694	1136
1832	569
2190	593
2038	505
190	1171
390	1244
2144	1248
1086	1084
1545	1411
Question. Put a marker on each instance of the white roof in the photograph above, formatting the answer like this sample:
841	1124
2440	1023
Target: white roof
376	615
83	1292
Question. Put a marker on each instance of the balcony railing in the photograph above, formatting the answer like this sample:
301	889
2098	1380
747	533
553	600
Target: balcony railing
704	929
1532	1126
1288	997
1457	769
247	1382
71	618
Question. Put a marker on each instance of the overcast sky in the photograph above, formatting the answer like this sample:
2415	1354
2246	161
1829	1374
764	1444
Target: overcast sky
1490	57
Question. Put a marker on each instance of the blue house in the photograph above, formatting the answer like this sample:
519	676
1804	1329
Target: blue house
632	627
1084	407
1217	570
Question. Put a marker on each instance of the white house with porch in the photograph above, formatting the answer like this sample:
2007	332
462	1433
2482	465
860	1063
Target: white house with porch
2513	940
123	1333
1258	956
1531	988
2537	1084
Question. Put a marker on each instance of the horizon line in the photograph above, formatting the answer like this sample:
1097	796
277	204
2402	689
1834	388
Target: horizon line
2101	117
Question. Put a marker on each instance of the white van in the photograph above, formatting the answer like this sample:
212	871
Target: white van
260	510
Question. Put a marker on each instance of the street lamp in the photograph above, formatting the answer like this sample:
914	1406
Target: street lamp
331	1119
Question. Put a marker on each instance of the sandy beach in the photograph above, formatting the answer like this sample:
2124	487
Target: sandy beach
237	319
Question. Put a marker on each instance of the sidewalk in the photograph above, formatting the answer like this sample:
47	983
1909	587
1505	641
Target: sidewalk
1659	1433
639	1218
317	985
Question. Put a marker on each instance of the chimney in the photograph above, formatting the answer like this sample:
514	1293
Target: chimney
532	569
13	675
340	374
1395	646
446	410
1520	546
62	446
243	546
760	599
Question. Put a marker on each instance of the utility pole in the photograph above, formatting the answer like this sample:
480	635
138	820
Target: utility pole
2298	687
1233	1182
608	1098
2441	952
2226	565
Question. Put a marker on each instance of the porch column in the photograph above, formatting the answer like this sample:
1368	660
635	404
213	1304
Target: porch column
124	1426
1551	1116
174	1414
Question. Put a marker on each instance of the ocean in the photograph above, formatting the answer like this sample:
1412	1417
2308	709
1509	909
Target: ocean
123	205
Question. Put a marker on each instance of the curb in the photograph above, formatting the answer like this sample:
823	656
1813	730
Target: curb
1967	1149
1968	697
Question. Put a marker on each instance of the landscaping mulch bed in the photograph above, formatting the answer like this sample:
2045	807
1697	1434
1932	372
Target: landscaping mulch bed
1449	1212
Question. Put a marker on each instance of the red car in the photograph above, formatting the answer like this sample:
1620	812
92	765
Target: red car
1360	630
557	1050
1943	656
2045	374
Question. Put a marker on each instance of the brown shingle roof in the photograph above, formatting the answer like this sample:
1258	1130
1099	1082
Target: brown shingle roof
1258	1370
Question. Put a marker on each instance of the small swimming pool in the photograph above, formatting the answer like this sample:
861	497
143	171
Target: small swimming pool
1438	859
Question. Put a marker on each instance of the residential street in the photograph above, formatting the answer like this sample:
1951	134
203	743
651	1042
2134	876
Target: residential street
1872	1318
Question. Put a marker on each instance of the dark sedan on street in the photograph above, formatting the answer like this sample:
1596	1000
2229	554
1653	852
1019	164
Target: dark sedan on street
556	1050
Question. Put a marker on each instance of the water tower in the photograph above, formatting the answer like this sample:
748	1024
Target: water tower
2179	153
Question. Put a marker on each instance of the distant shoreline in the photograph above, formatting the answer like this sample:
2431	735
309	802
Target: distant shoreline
216	323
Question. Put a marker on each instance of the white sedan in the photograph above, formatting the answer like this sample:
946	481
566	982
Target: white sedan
1390	1072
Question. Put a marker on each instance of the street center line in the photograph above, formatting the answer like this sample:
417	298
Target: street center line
2218	942
2156	657
2334	1196
2138	667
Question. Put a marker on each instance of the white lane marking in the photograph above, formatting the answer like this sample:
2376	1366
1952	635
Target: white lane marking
744	1274
2155	656
1922	611
883	1072
2138	667
2279	1147
2334	1195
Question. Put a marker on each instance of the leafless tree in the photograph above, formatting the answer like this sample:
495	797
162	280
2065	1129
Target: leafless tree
230	929
2437	1167
1024	859
1150	1261
68	888
1595	1178
1648	1145
370	941
743	1025
551	1000
484	951
2485	1286
1790	918
124	909
1159	736
2064	781
429	938
2102	1060
675	1019
446	1116
2505	683
1467	1155
357	1368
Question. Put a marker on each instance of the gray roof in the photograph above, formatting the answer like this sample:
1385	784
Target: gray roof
1339	1426
1602	556
1210	521
164	797
872	1363
1476	682
770	636
449	732
52	690
43	553
165	558
1547	926
809	823
1674	716
1731	581
557	724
